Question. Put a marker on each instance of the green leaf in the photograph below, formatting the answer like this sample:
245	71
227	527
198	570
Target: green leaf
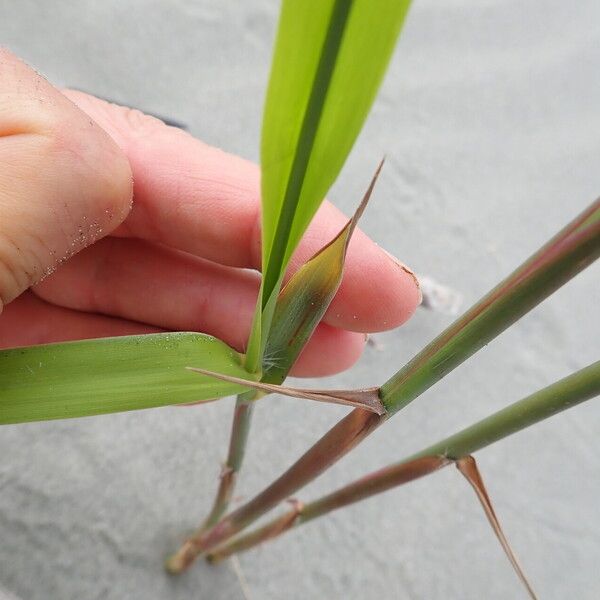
305	298
330	57
91	377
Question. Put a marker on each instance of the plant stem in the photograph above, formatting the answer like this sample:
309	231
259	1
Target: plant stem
340	440
300	307
565	255
240	428
568	253
559	396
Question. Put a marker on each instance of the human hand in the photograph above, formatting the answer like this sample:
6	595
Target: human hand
184	256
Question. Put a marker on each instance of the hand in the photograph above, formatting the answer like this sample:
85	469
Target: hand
183	256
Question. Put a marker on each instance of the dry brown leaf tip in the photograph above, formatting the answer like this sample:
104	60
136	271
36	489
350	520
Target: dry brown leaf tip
468	467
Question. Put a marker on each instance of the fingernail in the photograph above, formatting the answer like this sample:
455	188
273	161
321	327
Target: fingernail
406	270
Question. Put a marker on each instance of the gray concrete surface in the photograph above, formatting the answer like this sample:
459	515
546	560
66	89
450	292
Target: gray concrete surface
490	120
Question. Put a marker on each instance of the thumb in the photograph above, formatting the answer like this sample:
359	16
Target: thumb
63	182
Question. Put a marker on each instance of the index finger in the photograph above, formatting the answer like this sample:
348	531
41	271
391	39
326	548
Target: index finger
201	200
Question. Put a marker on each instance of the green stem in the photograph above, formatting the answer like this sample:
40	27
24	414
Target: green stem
559	396
240	428
300	307
568	253
337	442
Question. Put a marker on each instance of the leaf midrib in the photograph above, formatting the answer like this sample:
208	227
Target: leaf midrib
308	131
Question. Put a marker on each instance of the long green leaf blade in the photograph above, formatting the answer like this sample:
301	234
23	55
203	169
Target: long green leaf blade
92	377
330	57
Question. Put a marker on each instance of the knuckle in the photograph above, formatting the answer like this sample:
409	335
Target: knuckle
139	123
100	166
15	275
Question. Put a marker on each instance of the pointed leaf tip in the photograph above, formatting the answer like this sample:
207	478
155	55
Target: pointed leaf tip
468	467
365	200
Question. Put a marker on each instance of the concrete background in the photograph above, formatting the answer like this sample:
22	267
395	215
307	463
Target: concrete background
490	120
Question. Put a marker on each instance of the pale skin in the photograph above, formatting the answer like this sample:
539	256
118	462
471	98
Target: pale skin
146	229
